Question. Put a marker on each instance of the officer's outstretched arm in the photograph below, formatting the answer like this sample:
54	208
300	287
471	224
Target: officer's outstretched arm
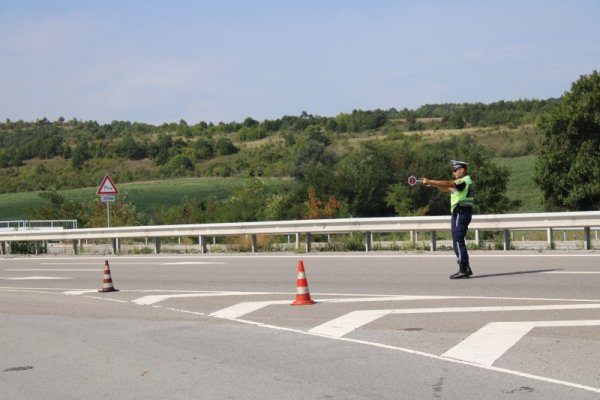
444	186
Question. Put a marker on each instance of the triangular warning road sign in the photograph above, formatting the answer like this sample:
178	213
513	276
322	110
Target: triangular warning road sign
107	187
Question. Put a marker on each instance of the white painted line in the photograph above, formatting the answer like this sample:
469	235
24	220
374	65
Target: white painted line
124	263
241	309
71	263
32	278
244	308
418	353
341	326
347	323
571	272
388	298
193	263
408	351
79	292
153	299
55	269
152	259
493	340
485	367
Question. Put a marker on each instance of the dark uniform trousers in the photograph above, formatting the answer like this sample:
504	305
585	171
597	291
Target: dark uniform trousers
461	218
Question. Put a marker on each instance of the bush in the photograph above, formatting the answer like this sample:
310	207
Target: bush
23	248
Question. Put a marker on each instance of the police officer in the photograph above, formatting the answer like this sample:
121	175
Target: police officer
462	193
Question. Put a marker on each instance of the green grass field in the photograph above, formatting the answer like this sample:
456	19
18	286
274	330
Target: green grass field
521	185
145	195
153	194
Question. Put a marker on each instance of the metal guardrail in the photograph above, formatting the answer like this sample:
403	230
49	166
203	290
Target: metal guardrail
24	224
495	222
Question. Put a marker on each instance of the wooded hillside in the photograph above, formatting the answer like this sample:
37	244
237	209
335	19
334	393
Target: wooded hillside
353	164
68	154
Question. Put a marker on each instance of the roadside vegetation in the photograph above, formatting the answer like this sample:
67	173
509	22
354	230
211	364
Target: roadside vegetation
306	166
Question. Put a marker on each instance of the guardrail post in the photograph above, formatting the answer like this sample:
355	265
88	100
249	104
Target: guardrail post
156	245
116	245
506	239
4	248
477	238
75	249
550	236
433	241
308	241
202	244
297	241
254	245
368	241
587	243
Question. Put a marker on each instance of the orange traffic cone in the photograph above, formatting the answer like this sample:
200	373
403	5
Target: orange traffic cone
302	293
107	285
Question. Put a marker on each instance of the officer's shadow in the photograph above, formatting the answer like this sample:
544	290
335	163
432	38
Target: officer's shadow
533	271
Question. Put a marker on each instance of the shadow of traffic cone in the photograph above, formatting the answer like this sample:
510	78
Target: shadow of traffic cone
302	293
108	284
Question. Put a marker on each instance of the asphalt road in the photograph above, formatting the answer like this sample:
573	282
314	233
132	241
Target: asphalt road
385	326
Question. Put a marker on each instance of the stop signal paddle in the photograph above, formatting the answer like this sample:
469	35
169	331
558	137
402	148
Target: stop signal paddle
412	180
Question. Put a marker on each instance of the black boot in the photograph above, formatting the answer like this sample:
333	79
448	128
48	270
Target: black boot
469	272
463	271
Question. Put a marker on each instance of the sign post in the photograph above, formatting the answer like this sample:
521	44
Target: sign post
107	192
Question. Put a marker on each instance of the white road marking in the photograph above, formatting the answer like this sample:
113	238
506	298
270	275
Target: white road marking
493	340
152	259
31	278
571	272
149	262
55	269
193	263
241	309
345	324
153	299
416	352
79	292
244	308
384	346
70	263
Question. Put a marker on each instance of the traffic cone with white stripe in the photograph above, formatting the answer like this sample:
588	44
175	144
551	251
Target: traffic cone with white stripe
108	283
302	293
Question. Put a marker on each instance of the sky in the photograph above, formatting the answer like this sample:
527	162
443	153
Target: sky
221	61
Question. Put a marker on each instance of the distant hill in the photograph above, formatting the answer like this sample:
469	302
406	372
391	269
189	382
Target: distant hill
73	154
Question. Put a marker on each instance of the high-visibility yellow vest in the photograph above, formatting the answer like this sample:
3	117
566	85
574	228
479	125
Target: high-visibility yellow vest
463	197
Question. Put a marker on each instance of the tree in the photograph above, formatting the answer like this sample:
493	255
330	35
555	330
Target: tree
161	150
129	148
312	153
568	167
80	155
225	147
203	149
491	181
122	213
57	207
250	122
245	204
318	208
363	178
